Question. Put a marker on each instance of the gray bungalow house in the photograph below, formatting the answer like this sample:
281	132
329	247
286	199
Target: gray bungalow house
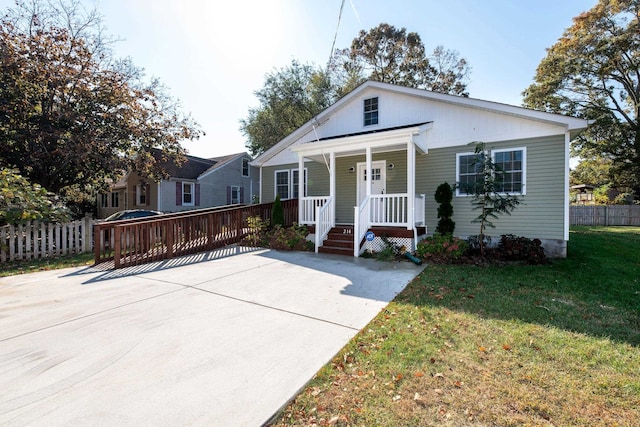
196	184
373	160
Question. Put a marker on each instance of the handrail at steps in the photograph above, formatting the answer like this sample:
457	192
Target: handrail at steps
324	221
361	224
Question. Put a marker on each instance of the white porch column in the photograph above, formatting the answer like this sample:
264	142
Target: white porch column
300	187
368	171
411	183
332	184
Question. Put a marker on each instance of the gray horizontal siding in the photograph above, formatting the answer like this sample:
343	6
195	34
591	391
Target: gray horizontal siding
317	179
541	213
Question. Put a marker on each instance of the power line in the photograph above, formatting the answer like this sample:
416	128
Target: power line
335	36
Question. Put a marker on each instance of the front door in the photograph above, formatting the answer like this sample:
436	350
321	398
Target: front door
378	183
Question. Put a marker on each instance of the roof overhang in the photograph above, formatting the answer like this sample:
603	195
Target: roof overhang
383	141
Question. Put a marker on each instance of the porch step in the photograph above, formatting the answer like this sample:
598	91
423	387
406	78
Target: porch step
339	241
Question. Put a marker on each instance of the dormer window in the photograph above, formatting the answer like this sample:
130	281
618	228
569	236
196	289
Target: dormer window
371	111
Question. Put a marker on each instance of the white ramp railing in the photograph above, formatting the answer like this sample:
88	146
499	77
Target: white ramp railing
325	221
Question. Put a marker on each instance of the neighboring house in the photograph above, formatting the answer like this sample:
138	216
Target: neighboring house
198	183
411	141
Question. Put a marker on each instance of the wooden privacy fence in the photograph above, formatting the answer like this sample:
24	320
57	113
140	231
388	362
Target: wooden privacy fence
135	242
34	240
605	215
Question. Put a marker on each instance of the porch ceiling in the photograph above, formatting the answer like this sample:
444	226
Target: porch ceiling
392	140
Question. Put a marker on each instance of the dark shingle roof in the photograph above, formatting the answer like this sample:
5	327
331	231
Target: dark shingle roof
192	168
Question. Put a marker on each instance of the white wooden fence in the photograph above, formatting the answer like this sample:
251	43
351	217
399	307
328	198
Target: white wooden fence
34	240
605	215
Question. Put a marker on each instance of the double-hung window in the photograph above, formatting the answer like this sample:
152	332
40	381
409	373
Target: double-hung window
103	201
235	194
245	167
188	194
371	111
115	201
141	194
286	183
510	171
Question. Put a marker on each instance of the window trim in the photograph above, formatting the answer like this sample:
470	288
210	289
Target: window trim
275	182
294	185
245	161
237	188
365	112
141	189
493	152
192	192
458	155
115	199
523	191
290	183
104	200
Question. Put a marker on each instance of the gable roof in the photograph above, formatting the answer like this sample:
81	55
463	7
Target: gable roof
572	124
192	168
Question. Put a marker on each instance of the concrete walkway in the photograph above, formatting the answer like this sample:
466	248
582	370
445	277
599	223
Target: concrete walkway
223	338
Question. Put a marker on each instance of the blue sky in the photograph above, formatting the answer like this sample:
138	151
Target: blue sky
213	55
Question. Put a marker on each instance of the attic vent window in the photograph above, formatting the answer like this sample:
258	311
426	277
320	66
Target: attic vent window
371	111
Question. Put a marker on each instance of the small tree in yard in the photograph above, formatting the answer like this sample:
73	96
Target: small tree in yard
487	195
444	195
277	215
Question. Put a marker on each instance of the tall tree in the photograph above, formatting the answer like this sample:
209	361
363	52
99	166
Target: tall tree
72	115
593	71
391	55
289	98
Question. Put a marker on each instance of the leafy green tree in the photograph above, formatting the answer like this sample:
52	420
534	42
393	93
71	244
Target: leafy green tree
391	55
22	201
487	196
293	95
72	115
444	195
290	97
594	171
593	72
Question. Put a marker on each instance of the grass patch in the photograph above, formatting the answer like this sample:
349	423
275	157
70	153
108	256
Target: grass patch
555	344
13	268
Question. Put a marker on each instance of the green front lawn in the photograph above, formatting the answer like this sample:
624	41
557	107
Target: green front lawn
21	267
556	344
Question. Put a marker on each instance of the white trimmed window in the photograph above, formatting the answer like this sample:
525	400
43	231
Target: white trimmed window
286	183
115	199
103	201
511	164
294	184
371	111
141	195
511	168
245	167
235	194
468	173
188	194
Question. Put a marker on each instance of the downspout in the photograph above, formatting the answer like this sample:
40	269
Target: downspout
567	140
159	204
260	192
301	187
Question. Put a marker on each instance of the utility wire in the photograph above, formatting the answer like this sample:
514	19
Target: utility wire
335	36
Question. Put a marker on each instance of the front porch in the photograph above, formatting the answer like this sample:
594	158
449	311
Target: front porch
361	197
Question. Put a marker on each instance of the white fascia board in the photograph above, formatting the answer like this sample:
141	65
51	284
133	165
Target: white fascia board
357	142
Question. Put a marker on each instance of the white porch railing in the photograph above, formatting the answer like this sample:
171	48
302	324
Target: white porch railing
389	210
325	221
309	206
361	224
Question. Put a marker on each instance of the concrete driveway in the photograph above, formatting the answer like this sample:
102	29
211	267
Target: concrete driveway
223	338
